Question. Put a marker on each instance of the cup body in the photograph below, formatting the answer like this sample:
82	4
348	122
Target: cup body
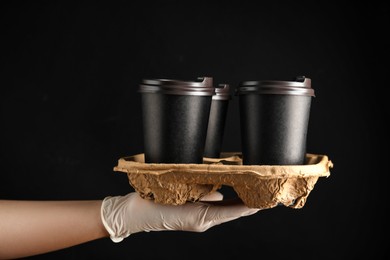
217	119
274	117
175	117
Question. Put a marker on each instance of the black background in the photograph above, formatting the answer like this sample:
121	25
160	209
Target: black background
70	109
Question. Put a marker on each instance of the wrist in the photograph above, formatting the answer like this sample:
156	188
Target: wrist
108	215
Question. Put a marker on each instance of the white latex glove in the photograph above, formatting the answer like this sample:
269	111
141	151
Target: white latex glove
129	214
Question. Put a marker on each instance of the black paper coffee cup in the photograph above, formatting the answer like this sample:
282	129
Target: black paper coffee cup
274	117
217	119
175	116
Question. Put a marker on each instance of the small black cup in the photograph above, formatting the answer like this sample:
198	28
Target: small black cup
274	117
175	117
217	118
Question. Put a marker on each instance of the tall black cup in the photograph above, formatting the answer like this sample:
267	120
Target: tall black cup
175	117
274	118
217	118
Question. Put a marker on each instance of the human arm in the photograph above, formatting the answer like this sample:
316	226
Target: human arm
35	227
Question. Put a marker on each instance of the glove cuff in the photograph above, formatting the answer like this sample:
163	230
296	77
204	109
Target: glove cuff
107	212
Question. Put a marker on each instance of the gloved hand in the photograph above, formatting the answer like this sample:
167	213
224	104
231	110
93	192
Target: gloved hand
129	214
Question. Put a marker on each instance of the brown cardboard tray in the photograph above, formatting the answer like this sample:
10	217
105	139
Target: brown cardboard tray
258	186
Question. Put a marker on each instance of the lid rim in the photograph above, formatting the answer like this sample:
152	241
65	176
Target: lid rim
177	91
202	87
302	86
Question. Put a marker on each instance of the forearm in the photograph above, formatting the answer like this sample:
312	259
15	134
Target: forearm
35	227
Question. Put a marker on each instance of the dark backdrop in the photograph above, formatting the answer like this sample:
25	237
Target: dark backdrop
70	109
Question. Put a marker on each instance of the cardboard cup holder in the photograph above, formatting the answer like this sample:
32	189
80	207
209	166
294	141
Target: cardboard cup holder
258	186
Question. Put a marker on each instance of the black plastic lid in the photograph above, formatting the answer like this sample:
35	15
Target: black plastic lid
301	86
222	92
202	87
